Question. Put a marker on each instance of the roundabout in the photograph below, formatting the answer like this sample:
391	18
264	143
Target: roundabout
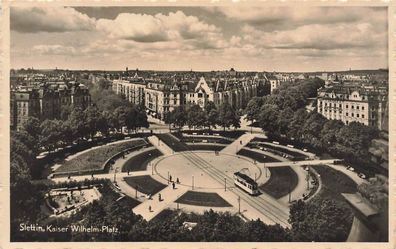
195	169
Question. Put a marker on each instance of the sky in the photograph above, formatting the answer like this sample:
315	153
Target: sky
247	38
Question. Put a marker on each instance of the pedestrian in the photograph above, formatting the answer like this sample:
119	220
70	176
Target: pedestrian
159	197
170	178
177	180
149	208
173	185
240	142
92	175
128	171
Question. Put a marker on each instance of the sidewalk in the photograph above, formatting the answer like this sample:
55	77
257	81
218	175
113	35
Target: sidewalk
238	144
161	146
168	196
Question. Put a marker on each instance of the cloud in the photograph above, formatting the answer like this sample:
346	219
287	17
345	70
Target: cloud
55	49
49	19
155	28
320	37
286	18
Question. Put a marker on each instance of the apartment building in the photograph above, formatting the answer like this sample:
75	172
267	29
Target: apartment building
368	106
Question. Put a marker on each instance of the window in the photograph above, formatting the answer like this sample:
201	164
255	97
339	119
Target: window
346	106
357	115
199	95
353	107
362	115
340	105
357	107
362	107
340	111
352	114
347	122
346	114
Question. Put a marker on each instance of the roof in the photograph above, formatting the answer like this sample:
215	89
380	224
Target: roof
246	178
360	204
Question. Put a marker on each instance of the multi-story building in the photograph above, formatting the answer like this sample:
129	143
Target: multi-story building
45	102
132	90
163	94
274	82
24	104
368	106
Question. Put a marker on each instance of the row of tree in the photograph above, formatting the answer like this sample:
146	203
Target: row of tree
211	116
284	114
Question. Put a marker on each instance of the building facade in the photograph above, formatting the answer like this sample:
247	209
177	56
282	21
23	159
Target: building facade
45	102
162	95
354	104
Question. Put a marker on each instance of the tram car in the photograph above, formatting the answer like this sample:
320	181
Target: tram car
246	183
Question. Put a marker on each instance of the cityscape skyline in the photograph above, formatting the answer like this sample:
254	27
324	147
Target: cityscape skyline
169	38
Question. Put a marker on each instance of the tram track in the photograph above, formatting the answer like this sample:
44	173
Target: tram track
264	204
265	207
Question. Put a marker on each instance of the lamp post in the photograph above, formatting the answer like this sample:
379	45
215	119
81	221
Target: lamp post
239	204
115	172
289	189
308	178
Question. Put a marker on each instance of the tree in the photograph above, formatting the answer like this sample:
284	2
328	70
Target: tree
212	114
320	219
195	116
78	124
268	118
253	107
92	116
178	116
32	127
228	116
51	134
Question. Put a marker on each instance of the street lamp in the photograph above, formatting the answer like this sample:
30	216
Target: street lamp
239	204
308	178
115	172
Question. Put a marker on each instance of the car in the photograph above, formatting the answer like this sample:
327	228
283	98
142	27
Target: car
305	150
361	175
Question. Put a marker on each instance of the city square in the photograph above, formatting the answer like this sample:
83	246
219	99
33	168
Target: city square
200	124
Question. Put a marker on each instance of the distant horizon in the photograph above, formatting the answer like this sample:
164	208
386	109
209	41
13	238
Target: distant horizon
206	71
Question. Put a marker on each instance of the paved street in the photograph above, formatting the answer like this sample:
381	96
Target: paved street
299	163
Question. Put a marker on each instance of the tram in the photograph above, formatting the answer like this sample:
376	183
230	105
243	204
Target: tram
246	183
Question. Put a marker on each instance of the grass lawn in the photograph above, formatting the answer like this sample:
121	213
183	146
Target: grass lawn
261	158
95	159
140	161
145	184
334	183
282	179
203	199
